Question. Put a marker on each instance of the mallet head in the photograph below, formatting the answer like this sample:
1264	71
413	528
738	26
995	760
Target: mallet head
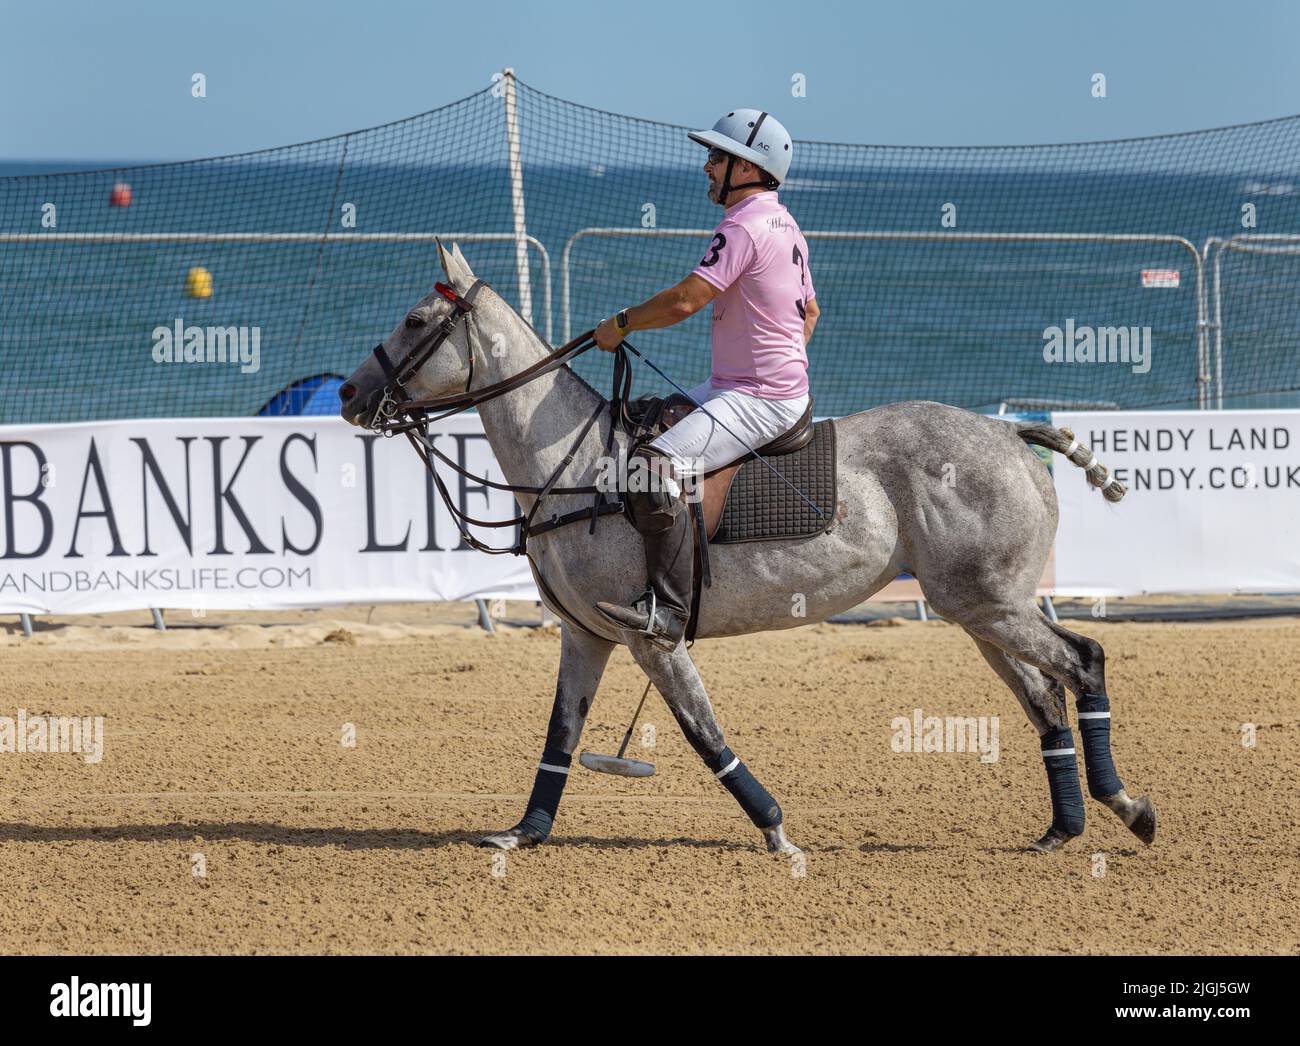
612	764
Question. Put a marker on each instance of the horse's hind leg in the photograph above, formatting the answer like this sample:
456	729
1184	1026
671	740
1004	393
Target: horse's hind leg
1043	699
676	677
1079	663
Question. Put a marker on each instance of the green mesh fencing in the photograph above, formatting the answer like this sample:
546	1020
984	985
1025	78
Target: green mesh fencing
940	272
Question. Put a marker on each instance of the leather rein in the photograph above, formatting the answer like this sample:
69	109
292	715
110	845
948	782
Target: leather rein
397	412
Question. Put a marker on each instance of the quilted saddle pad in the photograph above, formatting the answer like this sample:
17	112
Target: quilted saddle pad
760	507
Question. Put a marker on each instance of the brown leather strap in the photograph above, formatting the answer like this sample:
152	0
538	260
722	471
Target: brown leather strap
465	400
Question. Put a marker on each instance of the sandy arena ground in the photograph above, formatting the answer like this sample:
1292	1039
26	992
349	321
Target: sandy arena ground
225	742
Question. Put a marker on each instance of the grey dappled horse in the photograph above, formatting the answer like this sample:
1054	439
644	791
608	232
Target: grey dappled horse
954	498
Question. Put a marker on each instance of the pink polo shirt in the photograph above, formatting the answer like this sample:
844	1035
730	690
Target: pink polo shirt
758	260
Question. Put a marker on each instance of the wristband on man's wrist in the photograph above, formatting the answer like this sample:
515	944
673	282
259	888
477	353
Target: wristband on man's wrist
620	321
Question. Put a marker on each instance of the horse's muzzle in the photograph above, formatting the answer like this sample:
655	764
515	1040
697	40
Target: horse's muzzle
356	409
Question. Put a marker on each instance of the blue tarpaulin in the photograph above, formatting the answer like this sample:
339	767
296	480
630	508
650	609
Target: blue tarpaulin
315	395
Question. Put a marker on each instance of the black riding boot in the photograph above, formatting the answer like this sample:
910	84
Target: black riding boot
662	612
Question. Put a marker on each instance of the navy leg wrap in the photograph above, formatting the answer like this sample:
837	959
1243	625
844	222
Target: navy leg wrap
1063	780
548	786
1094	726
753	798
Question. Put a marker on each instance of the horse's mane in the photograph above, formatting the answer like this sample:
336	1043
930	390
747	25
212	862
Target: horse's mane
543	342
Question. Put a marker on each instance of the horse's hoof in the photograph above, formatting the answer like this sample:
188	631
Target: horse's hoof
1053	840
514	839
1138	815
1143	824
777	843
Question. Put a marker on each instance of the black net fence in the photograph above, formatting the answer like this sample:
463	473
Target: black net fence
1054	275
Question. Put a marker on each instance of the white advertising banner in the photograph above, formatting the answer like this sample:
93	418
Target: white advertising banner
232	513
238	513
1213	503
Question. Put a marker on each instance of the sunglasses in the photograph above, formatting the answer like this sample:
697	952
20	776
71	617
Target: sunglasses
716	156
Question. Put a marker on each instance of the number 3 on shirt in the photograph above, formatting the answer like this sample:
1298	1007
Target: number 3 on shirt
800	304
719	241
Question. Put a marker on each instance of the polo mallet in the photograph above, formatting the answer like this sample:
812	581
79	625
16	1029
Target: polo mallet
616	764
701	407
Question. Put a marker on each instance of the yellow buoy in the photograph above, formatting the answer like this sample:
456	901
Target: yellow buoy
198	283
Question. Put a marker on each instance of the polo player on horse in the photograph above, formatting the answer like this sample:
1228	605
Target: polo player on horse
755	273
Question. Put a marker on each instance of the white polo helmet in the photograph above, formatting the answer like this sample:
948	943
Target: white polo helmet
752	135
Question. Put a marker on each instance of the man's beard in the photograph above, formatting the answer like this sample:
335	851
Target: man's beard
714	190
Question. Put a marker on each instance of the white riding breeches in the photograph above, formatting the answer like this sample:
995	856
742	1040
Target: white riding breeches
698	443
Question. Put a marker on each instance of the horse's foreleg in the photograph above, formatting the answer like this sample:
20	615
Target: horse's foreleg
676	677
582	663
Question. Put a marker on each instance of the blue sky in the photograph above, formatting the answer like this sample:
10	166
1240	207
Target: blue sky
110	80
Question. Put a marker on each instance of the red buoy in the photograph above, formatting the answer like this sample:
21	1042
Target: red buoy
120	196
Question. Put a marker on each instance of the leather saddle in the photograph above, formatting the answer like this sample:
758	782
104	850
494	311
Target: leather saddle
656	416
650	416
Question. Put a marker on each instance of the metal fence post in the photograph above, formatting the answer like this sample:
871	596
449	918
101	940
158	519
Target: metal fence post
1246	243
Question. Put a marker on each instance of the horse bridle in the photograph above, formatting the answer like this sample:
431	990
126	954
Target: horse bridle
397	412
394	393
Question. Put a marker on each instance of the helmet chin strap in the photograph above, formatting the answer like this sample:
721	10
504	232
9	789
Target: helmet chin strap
727	188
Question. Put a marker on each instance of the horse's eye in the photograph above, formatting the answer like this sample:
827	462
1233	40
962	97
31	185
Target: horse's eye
414	321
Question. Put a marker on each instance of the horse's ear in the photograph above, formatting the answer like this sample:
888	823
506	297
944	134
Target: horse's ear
466	271
459	274
443	259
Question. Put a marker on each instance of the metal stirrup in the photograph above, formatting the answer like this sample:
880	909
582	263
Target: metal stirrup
649	629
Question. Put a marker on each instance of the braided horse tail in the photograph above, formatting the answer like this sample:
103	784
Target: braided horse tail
1064	442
